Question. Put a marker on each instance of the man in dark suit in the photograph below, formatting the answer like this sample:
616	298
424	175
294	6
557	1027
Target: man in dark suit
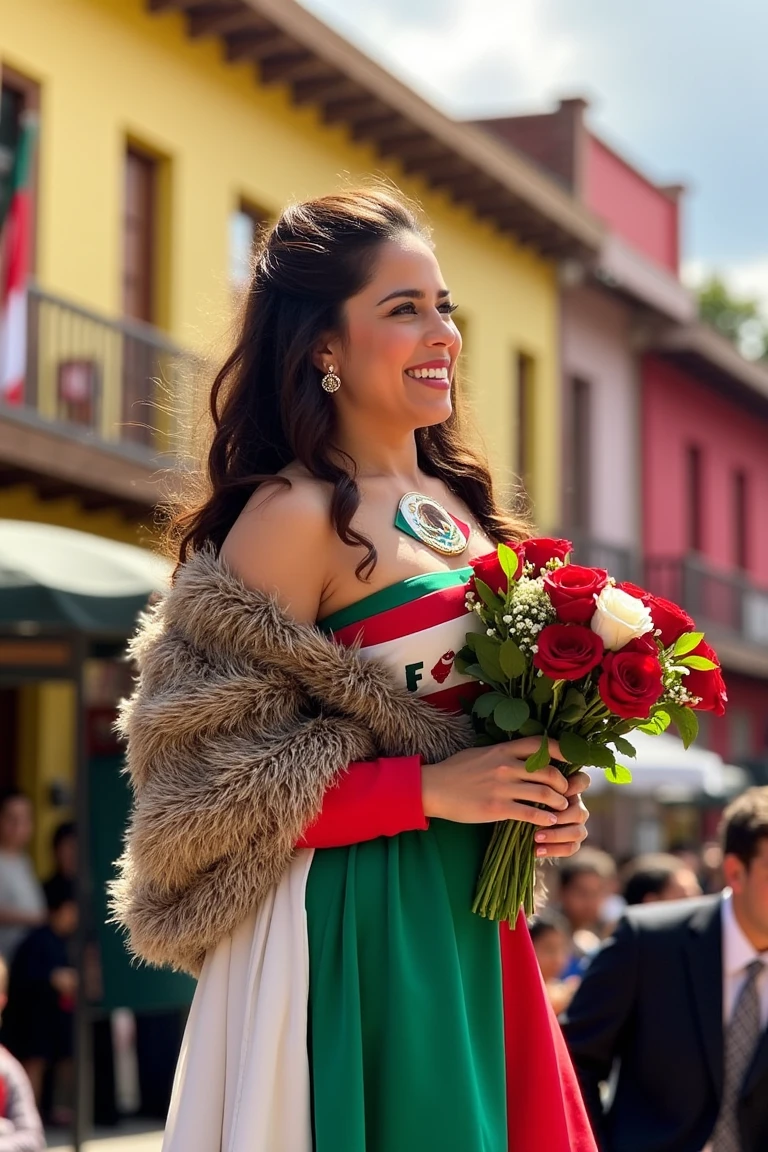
673	1010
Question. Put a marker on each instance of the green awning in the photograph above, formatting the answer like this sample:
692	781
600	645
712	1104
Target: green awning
52	576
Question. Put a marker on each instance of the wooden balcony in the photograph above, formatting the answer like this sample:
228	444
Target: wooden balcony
98	420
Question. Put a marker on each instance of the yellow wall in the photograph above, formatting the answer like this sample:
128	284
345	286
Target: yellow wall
111	72
21	502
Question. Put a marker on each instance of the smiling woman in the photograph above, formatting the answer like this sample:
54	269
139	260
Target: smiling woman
310	818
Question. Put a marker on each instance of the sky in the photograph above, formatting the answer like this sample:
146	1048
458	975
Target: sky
679	87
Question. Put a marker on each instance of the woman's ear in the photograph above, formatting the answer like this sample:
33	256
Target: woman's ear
325	354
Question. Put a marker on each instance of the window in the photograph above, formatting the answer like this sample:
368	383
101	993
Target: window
740	519
525	372
245	224
139	236
578	467
694	529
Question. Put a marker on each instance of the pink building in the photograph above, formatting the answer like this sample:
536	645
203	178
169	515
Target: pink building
666	424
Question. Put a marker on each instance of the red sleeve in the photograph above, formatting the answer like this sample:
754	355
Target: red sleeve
373	798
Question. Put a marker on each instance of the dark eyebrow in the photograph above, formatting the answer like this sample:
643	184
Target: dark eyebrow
412	294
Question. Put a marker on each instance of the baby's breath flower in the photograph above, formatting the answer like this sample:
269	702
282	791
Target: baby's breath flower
507	619
531	610
490	631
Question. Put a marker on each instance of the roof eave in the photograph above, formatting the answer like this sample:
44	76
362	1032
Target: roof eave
290	46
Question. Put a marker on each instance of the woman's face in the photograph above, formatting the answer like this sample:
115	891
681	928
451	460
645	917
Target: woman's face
397	361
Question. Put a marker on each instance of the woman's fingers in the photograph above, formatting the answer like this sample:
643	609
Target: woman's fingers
576	812
529	792
518	810
562	840
578	783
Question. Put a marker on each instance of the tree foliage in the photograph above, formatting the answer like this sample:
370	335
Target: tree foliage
739	318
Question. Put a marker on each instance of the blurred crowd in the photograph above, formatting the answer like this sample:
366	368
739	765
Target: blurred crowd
657	968
584	897
38	978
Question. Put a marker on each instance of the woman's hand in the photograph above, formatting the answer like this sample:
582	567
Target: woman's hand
481	785
570	830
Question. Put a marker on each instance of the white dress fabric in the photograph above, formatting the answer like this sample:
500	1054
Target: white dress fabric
248	1026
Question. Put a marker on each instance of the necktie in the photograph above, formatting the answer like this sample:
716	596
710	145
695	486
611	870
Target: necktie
741	1037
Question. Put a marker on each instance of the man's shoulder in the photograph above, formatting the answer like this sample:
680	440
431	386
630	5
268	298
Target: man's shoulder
670	916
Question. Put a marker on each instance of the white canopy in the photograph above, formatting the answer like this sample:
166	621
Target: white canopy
666	769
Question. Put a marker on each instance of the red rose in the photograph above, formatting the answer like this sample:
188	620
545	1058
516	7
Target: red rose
488	569
538	551
567	651
572	590
668	617
631	680
709	685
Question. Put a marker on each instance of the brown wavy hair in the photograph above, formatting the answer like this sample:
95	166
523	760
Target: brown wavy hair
266	403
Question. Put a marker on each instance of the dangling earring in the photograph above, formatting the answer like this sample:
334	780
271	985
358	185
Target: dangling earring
331	382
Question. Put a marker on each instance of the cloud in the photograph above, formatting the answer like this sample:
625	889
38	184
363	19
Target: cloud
678	89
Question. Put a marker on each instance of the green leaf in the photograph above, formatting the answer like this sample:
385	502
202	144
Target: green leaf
687	642
686	722
574	748
531	728
573	707
619	774
700	663
498	735
540	758
488	648
470	639
509	714
509	561
543	689
512	661
485	704
623	746
476	671
488	596
658	723
600	757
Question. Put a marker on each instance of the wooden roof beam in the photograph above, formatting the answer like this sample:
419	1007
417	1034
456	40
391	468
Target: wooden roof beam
350	111
385	127
322	91
168	5
219	19
288	70
276	69
257	45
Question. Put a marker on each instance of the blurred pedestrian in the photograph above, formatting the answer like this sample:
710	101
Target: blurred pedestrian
38	1026
22	902
675	1005
551	936
586	882
64	845
658	876
21	1129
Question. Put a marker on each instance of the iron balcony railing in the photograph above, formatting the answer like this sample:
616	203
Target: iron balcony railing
724	600
120	380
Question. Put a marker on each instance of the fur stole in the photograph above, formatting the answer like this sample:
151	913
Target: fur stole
240	720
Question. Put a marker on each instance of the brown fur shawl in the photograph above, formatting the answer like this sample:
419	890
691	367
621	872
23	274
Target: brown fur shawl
239	722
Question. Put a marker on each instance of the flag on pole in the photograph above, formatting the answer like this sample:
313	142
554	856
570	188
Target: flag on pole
15	274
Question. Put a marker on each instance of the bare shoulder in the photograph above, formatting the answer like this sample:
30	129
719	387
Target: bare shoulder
282	543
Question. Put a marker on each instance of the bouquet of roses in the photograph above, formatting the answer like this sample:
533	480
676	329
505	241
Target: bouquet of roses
565	652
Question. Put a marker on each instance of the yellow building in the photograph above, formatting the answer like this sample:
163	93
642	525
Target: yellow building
167	129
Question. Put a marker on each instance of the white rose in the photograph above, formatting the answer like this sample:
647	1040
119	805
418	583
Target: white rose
620	618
